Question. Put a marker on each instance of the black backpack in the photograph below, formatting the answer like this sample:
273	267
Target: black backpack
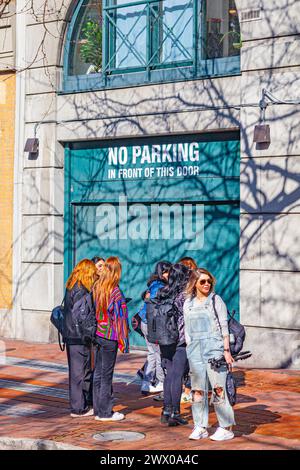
161	322
136	324
84	318
57	319
236	330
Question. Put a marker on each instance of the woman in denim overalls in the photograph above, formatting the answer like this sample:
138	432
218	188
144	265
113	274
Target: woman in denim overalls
207	337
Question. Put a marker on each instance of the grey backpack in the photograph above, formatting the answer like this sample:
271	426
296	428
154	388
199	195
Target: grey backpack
236	330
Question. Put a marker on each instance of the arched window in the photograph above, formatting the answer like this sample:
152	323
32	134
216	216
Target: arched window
85	41
122	42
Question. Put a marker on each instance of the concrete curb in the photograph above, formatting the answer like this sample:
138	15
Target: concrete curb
11	443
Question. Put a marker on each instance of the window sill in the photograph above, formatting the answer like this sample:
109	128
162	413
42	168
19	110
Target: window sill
96	82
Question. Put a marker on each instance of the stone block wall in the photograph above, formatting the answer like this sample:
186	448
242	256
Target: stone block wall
270	196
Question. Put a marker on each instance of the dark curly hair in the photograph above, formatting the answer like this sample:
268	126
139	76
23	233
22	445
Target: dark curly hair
160	268
179	275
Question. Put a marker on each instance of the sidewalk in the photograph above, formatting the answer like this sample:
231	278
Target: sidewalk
34	405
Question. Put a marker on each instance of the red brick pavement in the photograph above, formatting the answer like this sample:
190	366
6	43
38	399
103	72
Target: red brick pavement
267	412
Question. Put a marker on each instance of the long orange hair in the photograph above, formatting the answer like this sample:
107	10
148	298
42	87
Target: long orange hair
85	273
189	262
109	279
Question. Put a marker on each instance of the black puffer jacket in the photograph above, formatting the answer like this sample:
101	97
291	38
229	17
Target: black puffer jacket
72	296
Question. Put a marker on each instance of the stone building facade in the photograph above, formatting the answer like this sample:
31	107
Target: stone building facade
69	115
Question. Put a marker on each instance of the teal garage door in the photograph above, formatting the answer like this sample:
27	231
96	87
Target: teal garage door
152	200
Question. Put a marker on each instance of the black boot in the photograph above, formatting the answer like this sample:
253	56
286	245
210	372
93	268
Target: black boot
165	414
176	419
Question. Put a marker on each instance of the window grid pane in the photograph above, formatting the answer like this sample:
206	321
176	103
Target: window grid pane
176	30
130	36
150	33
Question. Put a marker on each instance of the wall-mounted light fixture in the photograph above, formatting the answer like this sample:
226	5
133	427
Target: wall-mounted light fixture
32	147
262	133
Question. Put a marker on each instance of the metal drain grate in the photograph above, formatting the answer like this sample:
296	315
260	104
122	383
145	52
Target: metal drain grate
119	436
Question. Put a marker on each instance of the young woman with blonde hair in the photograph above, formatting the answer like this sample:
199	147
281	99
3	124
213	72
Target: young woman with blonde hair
112	334
79	284
207	337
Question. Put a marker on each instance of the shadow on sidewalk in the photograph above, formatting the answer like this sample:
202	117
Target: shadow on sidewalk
250	418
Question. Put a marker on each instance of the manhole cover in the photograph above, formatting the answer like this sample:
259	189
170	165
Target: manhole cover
119	436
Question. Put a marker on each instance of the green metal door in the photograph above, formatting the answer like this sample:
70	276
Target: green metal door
155	199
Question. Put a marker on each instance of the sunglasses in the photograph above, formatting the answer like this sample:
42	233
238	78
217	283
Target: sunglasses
204	281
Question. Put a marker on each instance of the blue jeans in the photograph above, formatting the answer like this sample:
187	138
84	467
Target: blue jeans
206	343
105	359
153	369
219	399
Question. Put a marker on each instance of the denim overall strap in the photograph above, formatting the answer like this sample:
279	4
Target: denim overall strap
215	311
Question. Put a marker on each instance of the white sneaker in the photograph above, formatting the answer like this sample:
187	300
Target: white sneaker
157	388
222	434
88	413
115	417
198	433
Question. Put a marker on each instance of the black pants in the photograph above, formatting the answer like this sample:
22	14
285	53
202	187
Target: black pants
105	360
80	378
175	364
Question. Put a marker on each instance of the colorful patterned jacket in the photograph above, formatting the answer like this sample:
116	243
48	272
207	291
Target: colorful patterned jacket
113	324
